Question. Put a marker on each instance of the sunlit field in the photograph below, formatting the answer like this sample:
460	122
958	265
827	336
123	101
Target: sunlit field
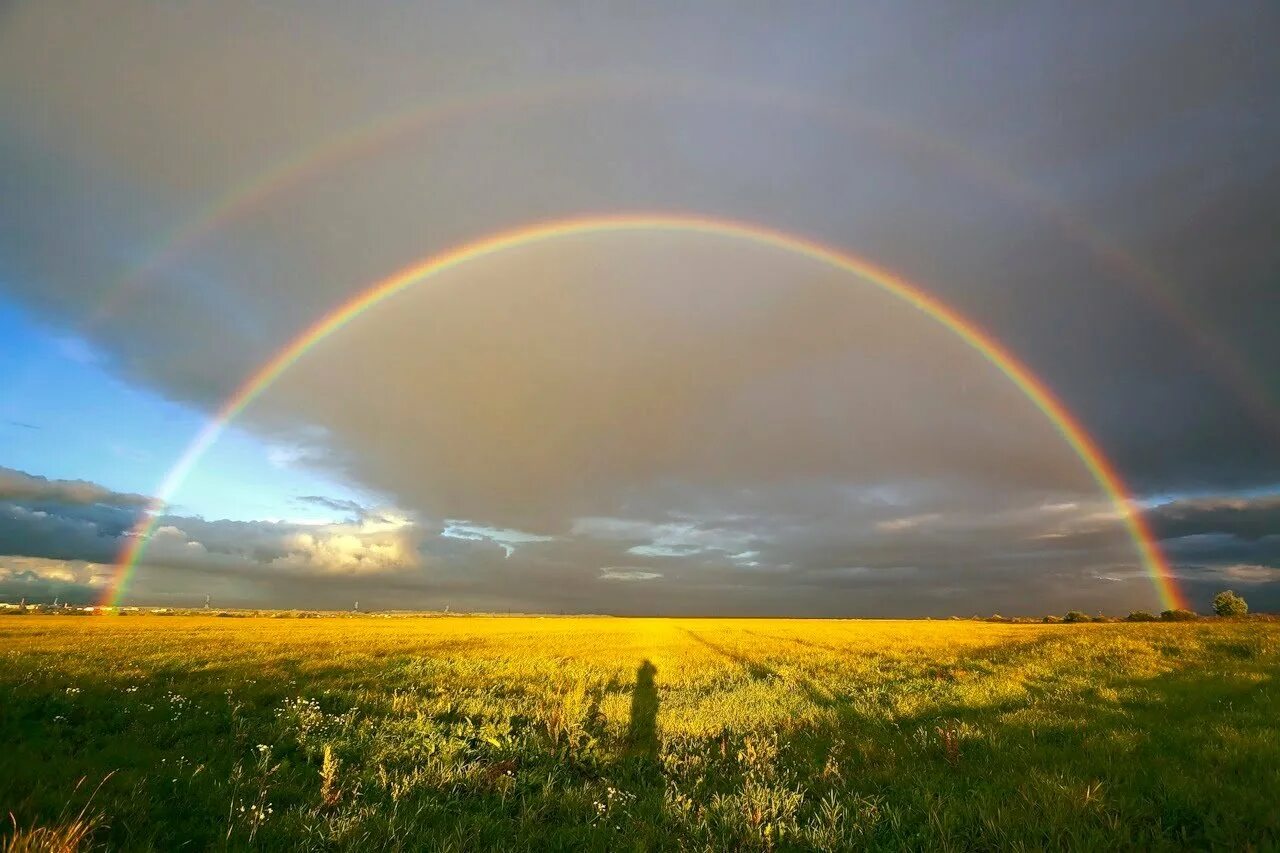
467	733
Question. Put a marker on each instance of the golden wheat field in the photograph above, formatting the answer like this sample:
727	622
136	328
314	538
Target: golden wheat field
522	733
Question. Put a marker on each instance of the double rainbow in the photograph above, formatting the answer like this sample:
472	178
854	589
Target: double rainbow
378	133
1031	386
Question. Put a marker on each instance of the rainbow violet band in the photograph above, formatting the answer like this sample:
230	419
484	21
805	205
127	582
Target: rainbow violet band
381	132
1031	386
298	167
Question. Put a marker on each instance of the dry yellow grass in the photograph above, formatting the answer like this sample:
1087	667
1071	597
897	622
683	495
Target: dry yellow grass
529	733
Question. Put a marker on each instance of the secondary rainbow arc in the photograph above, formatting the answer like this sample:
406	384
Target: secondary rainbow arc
1039	394
379	132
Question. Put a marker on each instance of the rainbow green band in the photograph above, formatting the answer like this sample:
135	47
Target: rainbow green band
1035	390
379	132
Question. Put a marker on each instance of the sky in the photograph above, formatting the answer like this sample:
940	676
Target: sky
650	421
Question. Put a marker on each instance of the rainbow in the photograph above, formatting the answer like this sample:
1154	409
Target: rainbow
287	173
1032	387
378	132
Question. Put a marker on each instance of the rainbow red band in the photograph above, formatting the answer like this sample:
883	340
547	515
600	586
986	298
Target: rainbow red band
382	131
1033	388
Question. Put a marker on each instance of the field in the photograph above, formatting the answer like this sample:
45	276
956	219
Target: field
473	733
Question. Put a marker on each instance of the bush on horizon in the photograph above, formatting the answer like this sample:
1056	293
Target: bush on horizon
1227	604
1178	615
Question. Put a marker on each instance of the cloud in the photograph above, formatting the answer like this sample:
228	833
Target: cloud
40	580
1252	574
1248	518
507	539
742	557
64	531
18	486
359	549
354	508
78	521
31	569
987	189
380	545
907	522
686	538
288	456
619	573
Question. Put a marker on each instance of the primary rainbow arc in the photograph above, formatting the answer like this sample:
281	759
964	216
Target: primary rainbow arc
1027	382
381	131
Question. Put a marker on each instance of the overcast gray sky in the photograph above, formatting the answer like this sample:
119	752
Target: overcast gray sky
642	422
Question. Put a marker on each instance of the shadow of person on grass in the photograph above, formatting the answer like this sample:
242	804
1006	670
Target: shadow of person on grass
642	733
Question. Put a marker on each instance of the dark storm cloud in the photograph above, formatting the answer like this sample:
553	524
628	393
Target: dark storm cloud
41	581
29	488
1244	518
64	519
1098	187
71	533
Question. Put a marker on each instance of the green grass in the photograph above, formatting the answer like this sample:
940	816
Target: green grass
639	734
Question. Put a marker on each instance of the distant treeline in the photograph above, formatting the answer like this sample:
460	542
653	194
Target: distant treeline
1226	605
